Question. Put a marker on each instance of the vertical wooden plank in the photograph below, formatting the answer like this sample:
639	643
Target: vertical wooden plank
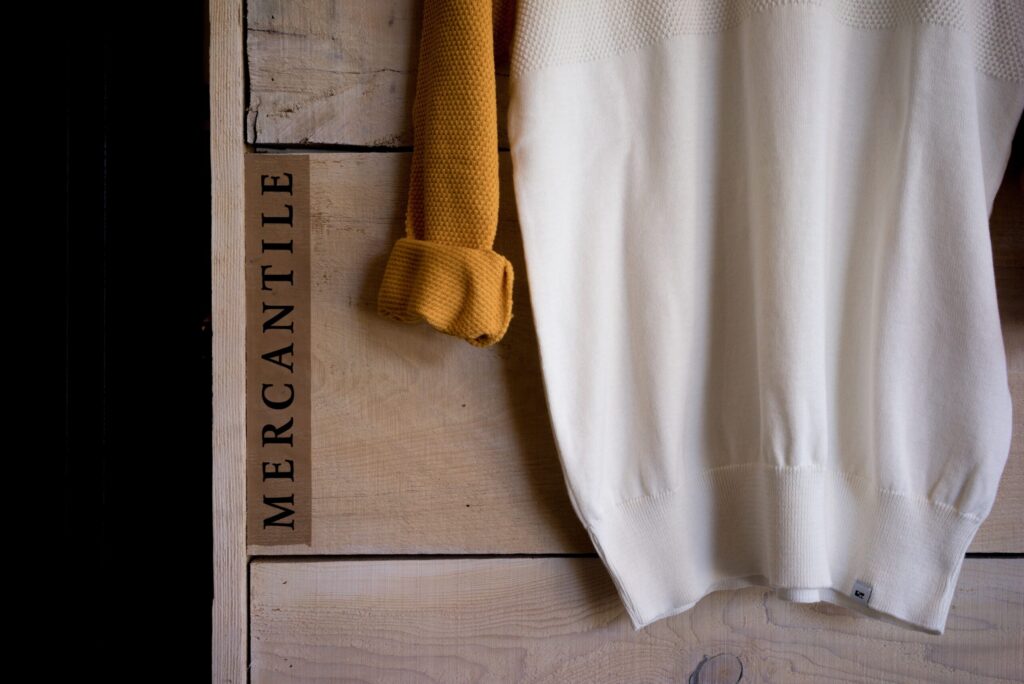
227	152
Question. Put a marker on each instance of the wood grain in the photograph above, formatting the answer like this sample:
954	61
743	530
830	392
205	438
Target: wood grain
340	73
227	150
423	444
558	620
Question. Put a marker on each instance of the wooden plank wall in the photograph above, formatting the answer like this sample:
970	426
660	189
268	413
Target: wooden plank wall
423	445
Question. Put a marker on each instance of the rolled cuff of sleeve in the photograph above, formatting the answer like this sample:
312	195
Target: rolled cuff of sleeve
461	291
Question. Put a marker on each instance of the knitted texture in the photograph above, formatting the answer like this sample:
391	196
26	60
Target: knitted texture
444	271
550	33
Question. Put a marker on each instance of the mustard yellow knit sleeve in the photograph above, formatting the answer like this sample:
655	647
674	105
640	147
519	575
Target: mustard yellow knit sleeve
444	271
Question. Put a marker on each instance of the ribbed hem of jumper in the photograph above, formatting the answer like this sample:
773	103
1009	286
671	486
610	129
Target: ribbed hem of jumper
461	291
808	533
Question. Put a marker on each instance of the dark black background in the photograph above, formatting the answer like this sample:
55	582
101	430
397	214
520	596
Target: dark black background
132	572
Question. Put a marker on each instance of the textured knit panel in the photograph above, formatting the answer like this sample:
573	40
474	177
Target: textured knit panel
444	270
552	33
763	288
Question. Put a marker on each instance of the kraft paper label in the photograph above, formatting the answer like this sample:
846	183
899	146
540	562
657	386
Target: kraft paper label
278	354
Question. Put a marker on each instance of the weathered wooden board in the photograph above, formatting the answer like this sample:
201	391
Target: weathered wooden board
559	620
424	444
331	72
227	150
